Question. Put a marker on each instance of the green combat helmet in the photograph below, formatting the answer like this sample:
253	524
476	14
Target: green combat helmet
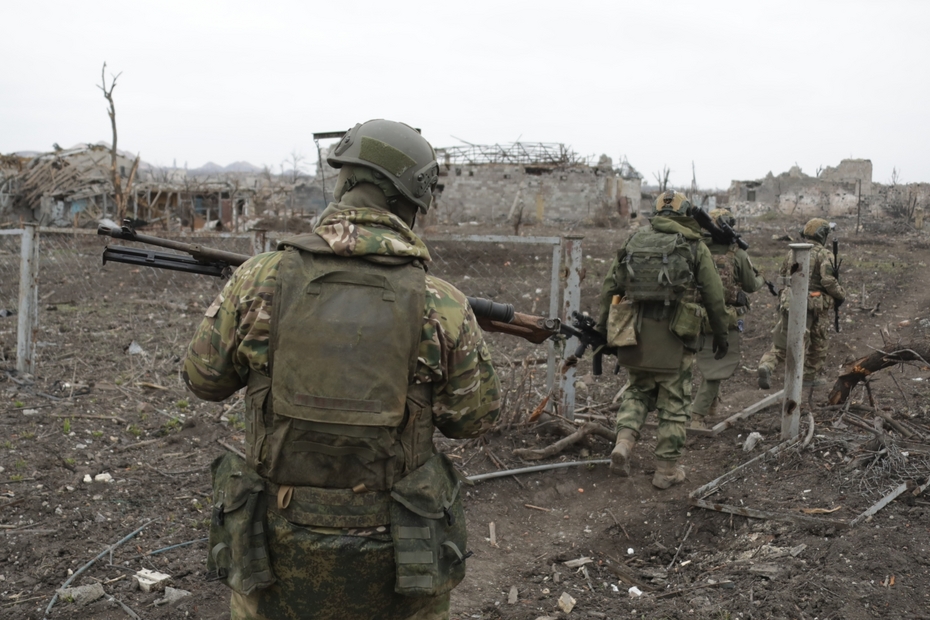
723	214
674	202
396	151
817	230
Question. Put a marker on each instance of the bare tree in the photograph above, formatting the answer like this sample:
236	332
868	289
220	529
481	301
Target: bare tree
895	176
119	195
662	178
296	163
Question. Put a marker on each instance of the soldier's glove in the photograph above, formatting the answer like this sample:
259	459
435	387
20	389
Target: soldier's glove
741	299
721	346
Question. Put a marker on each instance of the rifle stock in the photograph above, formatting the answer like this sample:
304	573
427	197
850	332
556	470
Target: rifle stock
491	316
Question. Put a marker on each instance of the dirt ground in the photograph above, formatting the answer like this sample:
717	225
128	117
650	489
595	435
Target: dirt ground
107	399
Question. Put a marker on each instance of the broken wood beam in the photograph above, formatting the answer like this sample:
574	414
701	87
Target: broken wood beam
768	401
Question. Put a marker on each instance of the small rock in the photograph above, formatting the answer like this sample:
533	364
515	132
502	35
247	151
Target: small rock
135	349
82	595
635	592
566	602
88	479
30	411
751	441
172	596
513	596
104	477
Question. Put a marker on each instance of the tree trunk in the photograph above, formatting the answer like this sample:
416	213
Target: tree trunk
865	366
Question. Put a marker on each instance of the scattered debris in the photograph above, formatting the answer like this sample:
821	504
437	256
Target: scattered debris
149	580
635	592
579	562
752	441
82	595
104	477
513	596
567	602
172	596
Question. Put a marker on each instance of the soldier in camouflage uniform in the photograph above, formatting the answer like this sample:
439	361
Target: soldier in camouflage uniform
660	363
738	277
317	393
824	292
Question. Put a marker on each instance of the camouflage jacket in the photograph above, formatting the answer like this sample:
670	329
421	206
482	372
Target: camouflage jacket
708	282
821	281
742	276
232	340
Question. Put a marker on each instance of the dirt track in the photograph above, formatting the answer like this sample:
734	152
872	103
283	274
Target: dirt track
157	441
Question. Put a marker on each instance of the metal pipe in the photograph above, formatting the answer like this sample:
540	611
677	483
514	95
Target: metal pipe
534	468
794	355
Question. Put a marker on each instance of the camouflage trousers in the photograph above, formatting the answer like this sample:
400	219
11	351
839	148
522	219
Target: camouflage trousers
815	344
714	372
332	577
670	394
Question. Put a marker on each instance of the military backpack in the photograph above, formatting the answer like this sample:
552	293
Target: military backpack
657	266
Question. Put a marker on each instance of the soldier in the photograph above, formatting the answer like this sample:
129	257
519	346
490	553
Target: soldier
650	295
824	292
351	356
738	277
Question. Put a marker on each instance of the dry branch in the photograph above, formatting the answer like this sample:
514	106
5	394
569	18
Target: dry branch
589	428
858	370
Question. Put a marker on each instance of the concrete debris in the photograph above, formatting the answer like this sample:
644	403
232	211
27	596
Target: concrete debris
567	602
635	592
104	477
172	596
135	349
513	596
751	441
82	595
149	580
769	571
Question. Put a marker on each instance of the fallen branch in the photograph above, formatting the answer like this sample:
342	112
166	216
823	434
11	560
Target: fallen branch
589	428
863	367
232	449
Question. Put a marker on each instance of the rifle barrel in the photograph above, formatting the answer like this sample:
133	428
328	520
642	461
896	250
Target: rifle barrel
199	252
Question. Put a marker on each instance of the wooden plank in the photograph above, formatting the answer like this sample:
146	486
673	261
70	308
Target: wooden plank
768	401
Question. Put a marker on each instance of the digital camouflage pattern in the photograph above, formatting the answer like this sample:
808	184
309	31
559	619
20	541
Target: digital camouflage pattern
670	393
332	576
343	573
816	335
736	274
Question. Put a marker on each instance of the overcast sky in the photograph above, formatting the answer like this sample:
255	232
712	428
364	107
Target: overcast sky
739	88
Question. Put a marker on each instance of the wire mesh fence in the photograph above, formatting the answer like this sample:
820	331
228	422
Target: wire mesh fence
130	324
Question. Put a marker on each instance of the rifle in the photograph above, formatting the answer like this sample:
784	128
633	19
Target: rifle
491	316
836	274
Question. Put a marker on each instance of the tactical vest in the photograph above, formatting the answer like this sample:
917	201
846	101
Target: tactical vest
657	266
726	269
340	420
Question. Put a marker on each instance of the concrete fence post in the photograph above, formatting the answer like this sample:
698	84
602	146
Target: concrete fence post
570	303
258	241
794	354
28	299
554	302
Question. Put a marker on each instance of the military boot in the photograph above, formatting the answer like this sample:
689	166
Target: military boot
697	421
765	377
667	474
620	456
713	407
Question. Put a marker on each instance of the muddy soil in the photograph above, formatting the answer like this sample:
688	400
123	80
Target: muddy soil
107	399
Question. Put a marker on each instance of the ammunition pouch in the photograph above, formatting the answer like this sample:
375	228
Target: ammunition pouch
621	324
428	529
687	320
238	545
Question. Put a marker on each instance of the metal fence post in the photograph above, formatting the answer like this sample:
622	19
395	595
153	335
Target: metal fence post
797	324
28	299
571	302
258	241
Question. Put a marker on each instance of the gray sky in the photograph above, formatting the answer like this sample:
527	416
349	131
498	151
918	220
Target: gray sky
740	88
